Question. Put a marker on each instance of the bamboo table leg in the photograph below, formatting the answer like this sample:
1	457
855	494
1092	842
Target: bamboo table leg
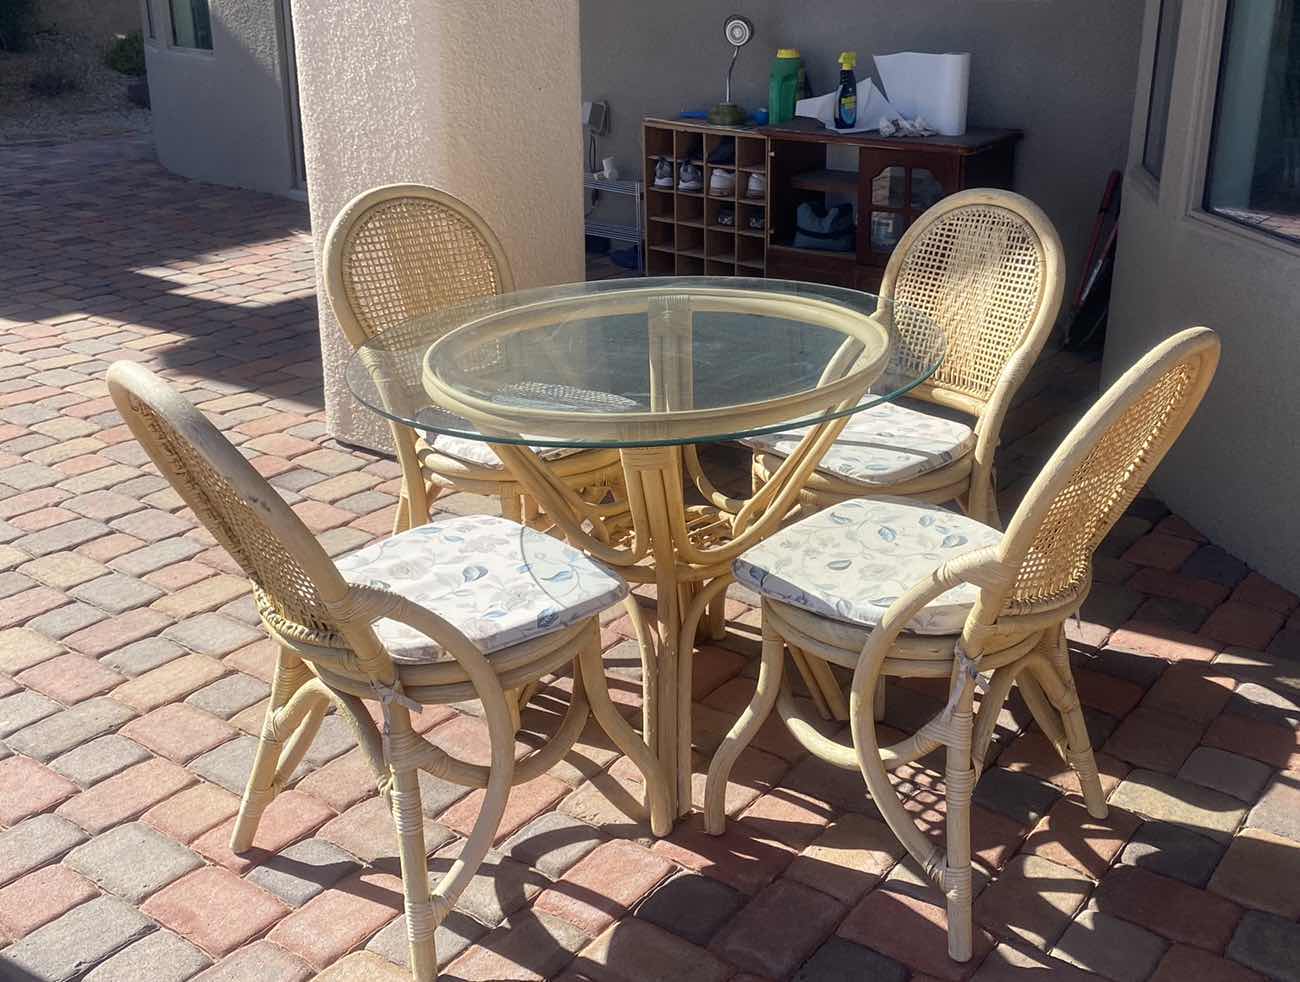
668	734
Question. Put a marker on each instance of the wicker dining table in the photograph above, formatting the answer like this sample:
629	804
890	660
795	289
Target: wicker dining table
653	368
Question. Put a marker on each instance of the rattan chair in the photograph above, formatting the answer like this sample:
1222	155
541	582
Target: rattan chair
986	268
403	251
458	609
890	587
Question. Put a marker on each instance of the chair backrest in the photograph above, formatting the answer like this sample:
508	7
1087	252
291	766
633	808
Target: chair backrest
1097	471
987	268
402	251
293	577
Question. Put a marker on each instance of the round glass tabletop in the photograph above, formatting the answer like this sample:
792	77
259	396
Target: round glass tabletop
645	362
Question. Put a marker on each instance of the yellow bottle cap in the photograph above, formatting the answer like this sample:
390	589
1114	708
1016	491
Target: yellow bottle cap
849	59
787	52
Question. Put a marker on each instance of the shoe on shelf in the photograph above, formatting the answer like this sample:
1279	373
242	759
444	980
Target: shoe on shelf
722	183
663	173
690	178
694	151
757	187
727	216
724	152
756	222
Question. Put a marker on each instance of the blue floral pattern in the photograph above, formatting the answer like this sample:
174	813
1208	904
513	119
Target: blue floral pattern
497	582
883	445
851	562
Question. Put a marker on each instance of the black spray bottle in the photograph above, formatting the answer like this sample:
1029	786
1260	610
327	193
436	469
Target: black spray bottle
846	102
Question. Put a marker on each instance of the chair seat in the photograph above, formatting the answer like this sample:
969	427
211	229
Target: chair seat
852	561
481	454
496	582
542	395
886	444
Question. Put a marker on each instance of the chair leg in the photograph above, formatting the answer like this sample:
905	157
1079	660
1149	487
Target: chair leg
716	618
408	816
743	730
1079	753
512	506
625	738
959	783
290	674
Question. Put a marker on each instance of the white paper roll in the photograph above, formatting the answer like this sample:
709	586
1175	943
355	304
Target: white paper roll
934	86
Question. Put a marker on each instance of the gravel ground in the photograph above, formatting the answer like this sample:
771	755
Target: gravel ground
97	107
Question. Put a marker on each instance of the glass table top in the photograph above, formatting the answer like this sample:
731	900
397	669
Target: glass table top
644	362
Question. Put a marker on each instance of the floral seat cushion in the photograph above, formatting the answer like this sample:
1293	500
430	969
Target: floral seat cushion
883	445
481	454
497	582
540	395
852	561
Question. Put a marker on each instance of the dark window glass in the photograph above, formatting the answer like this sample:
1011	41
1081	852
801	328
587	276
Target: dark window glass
1162	84
191	25
1254	175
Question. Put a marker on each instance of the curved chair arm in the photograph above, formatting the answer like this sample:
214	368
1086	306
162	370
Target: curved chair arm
981	567
405	749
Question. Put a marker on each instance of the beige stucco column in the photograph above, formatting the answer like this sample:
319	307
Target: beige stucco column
476	97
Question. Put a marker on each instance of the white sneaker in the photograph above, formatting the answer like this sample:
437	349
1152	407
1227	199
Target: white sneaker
664	173
757	187
690	178
722	183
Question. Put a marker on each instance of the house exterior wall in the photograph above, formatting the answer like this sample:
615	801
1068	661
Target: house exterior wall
223	115
1234	472
1061	70
478	99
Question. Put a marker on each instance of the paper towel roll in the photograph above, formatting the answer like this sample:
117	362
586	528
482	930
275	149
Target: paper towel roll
934	86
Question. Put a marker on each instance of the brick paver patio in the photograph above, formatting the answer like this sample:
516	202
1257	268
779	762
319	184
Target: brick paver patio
135	674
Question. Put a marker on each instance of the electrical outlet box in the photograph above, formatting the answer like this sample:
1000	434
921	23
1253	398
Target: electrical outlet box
595	117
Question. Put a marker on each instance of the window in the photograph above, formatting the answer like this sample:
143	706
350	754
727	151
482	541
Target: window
1254	173
1162	84
191	26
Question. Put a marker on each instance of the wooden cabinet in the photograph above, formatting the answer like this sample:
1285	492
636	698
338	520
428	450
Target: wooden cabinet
889	182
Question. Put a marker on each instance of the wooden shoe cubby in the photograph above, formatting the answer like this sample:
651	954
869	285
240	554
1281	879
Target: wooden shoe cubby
889	181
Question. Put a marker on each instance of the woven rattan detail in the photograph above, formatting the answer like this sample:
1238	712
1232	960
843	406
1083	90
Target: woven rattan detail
409	256
284	592
1097	493
979	272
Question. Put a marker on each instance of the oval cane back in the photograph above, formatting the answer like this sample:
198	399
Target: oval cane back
1099	469
986	267
399	252
293	578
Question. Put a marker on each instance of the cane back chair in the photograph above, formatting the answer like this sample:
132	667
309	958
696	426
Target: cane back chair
458	609
890	587
986	268
403	251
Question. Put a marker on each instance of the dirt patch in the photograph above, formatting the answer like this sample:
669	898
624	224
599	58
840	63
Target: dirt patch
93	101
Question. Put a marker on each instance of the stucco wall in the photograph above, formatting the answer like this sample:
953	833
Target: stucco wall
98	18
1234	472
479	99
222	115
1062	70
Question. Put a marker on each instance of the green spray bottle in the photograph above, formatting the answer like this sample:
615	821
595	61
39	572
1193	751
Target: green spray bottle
846	103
